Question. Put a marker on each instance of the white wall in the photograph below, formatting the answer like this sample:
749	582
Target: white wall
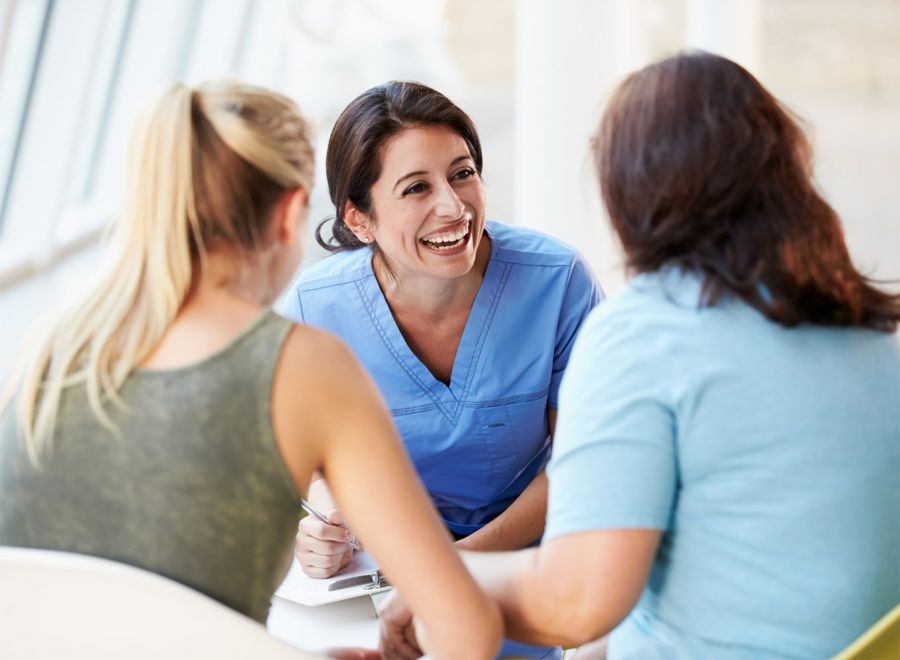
533	75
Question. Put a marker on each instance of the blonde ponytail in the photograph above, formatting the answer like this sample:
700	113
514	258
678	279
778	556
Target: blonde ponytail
205	164
274	132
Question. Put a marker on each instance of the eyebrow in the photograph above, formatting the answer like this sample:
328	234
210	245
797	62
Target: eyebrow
403	178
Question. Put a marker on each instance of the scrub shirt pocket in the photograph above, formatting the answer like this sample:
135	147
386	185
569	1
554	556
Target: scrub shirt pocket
501	445
530	425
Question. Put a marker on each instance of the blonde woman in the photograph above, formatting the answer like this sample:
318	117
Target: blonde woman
170	420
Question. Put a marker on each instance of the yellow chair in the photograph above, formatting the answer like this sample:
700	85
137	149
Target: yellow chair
880	642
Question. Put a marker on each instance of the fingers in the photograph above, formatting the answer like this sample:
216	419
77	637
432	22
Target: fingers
416	634
306	543
324	531
411	633
316	569
394	619
345	559
321	549
322	566
393	644
313	560
335	518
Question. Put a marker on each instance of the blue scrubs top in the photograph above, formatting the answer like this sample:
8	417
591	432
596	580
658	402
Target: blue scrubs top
478	443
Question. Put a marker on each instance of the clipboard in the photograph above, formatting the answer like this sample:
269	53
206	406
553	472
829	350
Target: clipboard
361	577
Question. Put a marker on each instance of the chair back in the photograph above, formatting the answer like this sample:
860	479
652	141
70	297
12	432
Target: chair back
879	642
66	605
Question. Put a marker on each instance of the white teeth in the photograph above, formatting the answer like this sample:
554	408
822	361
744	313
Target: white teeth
448	240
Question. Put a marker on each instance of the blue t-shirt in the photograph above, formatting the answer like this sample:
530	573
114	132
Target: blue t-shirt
478	443
770	457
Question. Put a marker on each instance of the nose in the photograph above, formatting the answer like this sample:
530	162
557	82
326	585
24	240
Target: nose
448	204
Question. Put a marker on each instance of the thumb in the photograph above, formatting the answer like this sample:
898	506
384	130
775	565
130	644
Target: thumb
335	517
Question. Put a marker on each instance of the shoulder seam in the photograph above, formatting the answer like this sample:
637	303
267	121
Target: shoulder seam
330	281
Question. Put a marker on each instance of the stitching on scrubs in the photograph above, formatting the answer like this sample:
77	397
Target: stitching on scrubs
393	351
300	306
479	346
411	410
331	281
520	398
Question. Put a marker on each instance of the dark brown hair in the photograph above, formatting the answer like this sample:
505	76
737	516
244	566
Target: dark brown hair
701	168
353	160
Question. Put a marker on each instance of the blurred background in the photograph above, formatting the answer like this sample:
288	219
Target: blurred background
533	74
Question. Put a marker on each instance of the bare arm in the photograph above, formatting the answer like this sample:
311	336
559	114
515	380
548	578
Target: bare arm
522	523
571	590
341	425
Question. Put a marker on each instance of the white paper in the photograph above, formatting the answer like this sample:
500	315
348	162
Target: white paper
300	588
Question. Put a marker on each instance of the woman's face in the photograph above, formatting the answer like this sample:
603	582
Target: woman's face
428	204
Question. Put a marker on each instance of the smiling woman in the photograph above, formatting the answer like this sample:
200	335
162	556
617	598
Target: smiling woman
430	220
465	325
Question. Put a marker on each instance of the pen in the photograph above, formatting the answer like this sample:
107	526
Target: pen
313	512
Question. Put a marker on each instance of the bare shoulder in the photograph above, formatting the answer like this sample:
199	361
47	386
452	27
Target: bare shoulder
319	375
309	353
322	399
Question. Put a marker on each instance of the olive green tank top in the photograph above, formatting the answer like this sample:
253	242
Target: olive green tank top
192	488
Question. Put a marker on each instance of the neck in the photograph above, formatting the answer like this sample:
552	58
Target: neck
228	280
222	302
427	295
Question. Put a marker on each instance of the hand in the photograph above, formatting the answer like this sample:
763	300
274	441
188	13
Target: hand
397	630
322	548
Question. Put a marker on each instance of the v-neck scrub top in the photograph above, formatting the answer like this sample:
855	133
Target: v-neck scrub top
478	443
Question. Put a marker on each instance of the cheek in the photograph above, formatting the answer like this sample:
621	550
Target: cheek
398	232
396	242
479	198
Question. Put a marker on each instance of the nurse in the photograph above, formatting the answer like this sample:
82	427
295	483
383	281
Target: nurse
465	325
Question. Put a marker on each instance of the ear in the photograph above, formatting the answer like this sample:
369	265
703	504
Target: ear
291	214
357	221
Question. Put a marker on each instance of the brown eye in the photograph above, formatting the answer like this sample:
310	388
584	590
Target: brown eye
415	188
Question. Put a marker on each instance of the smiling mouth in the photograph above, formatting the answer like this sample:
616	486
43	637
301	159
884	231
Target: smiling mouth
449	240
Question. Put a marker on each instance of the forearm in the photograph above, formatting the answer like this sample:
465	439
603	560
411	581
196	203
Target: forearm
514	581
571	589
519	526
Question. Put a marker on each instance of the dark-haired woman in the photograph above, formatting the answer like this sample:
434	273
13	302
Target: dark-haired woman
726	462
466	326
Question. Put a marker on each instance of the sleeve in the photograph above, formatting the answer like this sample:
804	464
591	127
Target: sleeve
582	294
291	307
614	462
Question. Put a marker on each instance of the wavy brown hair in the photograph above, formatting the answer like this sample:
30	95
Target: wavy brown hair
702	168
